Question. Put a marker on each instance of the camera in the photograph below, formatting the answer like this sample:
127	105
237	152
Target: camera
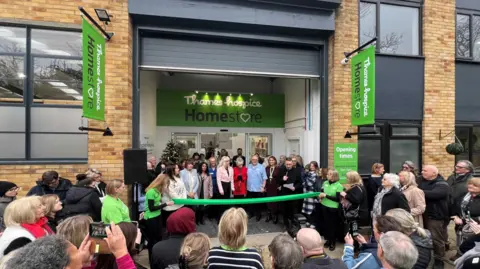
345	61
239	177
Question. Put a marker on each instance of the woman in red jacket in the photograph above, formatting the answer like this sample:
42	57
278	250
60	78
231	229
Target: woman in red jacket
239	179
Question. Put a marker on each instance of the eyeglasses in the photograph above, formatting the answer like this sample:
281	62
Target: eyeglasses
14	189
463	167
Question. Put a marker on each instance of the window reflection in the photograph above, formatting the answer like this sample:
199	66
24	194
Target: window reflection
403	150
13	39
463	135
463	35
476	148
476	37
57	79
369	152
11	79
399	30
367	22
56	42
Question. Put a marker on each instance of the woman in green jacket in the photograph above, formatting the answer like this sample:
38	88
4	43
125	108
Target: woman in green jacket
153	210
329	200
113	209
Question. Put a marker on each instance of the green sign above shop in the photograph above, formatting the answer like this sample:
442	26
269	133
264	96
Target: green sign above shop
93	73
345	158
363	87
180	108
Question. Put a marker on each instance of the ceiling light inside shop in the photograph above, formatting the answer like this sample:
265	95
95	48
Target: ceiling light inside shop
196	92
57	84
69	91
78	97
251	94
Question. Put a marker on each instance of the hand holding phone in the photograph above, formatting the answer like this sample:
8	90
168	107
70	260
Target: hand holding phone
98	229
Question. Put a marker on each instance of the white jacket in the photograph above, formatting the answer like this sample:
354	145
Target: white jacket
176	190
10	234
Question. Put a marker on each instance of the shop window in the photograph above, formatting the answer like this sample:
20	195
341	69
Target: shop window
29	130
393	144
396	26
468	36
469	136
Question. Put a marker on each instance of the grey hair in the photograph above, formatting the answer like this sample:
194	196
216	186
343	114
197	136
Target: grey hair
468	164
33	255
393	179
398	250
239	160
286	253
407	221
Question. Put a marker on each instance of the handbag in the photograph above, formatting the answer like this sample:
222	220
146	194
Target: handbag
349	212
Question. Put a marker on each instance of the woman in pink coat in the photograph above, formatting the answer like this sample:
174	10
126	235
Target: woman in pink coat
225	179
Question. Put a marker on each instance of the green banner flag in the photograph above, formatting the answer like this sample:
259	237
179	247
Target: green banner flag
363	87
345	158
182	108
93	73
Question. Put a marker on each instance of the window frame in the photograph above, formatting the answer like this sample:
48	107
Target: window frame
404	3
28	93
470	127
471	14
386	135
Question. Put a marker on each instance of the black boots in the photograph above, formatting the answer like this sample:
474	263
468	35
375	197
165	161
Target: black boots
275	219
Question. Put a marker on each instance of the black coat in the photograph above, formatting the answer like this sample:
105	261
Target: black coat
323	263
165	252
294	176
394	199
459	187
61	191
437	196
357	196
473	207
372	184
425	248
82	201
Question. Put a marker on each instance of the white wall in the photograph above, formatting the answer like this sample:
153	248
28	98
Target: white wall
302	115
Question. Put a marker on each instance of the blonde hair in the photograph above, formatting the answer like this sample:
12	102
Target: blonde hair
376	166
225	159
49	201
22	210
74	229
113	185
354	178
194	250
475	181
91	173
335	176
159	183
410	178
407	222
232	229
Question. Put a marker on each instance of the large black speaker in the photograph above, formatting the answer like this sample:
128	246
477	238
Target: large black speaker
135	166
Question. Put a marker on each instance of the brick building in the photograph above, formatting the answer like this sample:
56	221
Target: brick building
292	50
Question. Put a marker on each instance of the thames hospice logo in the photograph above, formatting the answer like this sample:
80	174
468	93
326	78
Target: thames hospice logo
214	116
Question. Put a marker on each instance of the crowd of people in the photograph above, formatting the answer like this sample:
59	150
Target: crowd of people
386	220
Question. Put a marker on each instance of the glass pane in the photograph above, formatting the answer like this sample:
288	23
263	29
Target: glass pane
476	148
260	144
369	152
13	39
476	37
56	119
12	146
13	119
57	79
56	42
46	146
209	144
463	35
367	22
186	144
463	135
401	151
399	30
11	78
404	131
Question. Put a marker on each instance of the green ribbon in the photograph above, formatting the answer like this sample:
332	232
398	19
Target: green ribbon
273	199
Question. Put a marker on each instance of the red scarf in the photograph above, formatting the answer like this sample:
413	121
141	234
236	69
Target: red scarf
38	229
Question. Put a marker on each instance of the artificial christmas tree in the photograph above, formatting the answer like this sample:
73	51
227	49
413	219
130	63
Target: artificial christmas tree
170	153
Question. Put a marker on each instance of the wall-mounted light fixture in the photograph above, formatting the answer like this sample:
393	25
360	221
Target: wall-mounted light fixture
102	15
108	36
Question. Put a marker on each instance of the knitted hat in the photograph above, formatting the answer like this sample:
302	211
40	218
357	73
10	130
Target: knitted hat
6	186
472	263
181	221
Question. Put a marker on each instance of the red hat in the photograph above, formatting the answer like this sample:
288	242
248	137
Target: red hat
182	221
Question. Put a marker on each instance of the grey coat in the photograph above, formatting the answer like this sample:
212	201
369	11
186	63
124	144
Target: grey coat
4	201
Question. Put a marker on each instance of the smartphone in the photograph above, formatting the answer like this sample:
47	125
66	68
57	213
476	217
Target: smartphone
354	229
97	229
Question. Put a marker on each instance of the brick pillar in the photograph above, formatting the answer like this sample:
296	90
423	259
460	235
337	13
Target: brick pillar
339	76
439	104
